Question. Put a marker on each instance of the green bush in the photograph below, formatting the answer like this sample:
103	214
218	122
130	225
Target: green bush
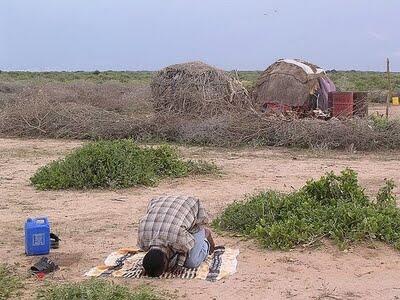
96	76
344	80
363	81
10	284
116	164
381	123
94	290
335	207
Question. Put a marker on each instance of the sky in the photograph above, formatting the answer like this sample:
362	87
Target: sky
46	35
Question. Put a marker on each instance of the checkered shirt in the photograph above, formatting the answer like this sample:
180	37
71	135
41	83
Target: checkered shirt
170	222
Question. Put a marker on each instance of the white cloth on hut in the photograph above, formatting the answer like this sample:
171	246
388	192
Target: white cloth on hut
305	68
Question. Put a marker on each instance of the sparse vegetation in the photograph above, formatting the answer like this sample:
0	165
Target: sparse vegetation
116	164
43	118
236	130
10	283
381	123
344	80
363	81
335	207
94	290
95	76
374	82
114	105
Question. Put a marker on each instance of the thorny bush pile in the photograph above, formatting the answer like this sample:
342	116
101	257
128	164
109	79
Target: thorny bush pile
73	110
334	207
83	110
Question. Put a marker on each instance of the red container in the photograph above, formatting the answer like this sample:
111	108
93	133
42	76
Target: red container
360	104
342	104
330	100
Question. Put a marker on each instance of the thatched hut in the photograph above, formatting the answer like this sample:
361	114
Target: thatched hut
197	89
293	84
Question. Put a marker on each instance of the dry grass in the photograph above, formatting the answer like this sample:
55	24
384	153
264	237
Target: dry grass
255	130
197	89
75	110
112	110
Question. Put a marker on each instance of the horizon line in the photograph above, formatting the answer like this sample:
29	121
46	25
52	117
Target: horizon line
131	71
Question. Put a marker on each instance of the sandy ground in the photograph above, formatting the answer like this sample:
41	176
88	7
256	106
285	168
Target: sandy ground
93	223
380	109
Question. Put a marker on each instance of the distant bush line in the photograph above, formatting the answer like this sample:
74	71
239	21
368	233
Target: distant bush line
344	80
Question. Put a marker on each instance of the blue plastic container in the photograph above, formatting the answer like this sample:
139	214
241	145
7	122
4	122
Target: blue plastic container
37	236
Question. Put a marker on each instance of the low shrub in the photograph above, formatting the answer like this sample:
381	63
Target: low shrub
94	290
335	207
381	123
116	164
10	284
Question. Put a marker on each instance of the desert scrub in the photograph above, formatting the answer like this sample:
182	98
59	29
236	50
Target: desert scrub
10	284
381	123
335	207
94	290
116	164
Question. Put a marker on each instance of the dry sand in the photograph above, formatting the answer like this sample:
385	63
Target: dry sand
380	109
93	223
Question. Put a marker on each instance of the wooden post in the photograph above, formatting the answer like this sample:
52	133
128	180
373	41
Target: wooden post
389	96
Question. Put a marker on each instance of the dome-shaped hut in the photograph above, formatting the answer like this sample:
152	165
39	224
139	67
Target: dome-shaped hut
293	84
197	89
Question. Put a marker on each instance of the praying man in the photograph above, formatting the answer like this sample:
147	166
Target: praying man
173	232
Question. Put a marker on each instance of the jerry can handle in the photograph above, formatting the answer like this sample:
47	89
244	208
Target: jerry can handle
41	220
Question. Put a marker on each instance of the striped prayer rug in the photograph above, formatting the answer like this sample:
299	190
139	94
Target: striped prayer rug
127	263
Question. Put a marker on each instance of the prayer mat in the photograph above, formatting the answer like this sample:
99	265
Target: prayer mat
127	263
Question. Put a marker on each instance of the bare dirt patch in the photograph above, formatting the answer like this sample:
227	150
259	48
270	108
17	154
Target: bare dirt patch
93	223
380	109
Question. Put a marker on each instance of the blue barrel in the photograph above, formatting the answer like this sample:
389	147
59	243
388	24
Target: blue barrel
37	236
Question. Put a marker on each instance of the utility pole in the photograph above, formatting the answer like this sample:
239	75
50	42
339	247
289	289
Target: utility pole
389	96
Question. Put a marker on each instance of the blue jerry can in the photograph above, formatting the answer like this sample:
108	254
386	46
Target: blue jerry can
37	236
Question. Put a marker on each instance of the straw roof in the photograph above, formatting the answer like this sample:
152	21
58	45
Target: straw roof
288	82
197	89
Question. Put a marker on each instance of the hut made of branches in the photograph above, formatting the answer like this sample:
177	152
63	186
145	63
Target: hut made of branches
291	82
197	89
